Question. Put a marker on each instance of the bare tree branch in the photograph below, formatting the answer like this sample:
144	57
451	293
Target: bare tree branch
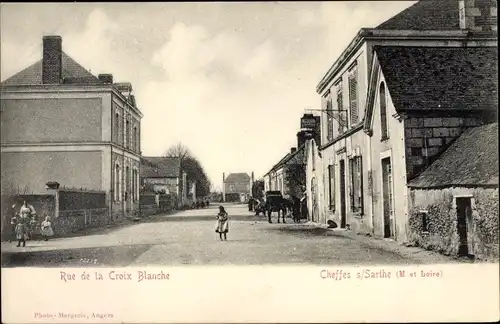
178	150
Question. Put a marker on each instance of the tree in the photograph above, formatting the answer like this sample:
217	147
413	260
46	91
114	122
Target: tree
196	173
178	150
193	168
295	178
258	189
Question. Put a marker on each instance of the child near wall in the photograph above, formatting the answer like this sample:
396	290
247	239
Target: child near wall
46	228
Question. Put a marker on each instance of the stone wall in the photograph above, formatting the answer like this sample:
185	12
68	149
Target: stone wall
441	234
427	137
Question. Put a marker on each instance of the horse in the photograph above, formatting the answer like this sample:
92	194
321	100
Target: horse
280	205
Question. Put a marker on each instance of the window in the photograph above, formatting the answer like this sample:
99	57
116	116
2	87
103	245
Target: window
117	183
117	128
356	184
127	183
340	107
127	141
353	96
329	116
383	112
133	184
135	147
331	176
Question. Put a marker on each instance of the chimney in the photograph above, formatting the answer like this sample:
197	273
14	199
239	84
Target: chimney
293	150
223	176
478	15
106	78
301	138
52	60
253	178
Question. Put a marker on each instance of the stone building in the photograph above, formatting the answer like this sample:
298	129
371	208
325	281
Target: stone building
61	123
237	187
454	202
395	99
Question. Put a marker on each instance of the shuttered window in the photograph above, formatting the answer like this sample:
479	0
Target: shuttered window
340	106
356	184
329	114
353	97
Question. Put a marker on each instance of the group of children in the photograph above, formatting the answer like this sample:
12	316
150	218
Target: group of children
24	222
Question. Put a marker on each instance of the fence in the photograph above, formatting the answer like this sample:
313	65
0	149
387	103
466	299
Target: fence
70	221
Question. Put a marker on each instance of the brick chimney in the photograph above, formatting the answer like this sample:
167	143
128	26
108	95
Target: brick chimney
293	150
52	60
478	15
301	138
106	78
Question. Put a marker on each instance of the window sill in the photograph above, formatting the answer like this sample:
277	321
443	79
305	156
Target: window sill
384	139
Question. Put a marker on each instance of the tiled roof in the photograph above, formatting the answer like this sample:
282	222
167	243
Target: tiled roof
426	15
237	178
420	78
472	160
160	167
70	70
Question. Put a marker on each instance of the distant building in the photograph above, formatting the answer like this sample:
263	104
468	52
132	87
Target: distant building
277	179
61	123
161	174
237	187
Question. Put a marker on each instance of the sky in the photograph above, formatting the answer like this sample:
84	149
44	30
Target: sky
228	80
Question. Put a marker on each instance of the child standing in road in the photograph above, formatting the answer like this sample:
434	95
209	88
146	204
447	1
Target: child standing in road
222	226
46	228
21	233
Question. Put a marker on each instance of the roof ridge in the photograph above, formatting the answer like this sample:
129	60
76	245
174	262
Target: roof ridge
78	65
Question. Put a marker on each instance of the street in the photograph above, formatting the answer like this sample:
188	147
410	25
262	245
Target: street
188	238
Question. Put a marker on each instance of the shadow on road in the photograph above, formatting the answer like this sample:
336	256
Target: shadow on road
305	230
85	257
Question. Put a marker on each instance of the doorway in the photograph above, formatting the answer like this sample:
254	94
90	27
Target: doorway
342	194
464	226
387	198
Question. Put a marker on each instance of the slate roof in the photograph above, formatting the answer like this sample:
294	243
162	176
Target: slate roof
426	15
287	159
472	160
237	178
71	71
440	78
160	167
